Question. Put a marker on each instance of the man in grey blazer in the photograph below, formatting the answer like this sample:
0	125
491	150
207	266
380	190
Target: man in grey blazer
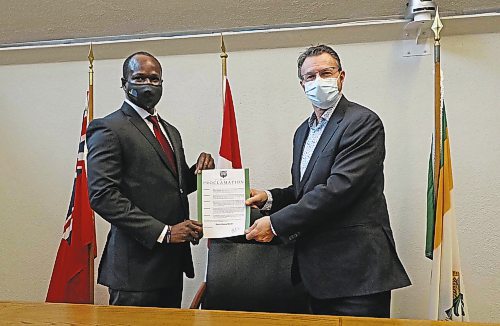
335	209
138	181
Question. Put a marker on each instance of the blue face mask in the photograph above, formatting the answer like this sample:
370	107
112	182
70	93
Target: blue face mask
322	93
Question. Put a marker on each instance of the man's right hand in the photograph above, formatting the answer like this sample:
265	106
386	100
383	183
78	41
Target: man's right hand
188	230
257	198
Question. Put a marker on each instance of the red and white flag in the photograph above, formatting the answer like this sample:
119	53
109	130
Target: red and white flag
72	276
229	152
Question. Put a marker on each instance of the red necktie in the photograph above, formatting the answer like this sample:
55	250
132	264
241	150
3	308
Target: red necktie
163	143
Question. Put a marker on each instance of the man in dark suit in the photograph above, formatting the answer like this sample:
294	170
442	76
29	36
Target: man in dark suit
138	181
335	208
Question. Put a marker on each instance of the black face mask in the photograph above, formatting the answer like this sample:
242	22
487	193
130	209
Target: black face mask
145	96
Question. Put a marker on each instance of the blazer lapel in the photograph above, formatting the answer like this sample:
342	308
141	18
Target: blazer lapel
326	136
298	148
175	141
139	123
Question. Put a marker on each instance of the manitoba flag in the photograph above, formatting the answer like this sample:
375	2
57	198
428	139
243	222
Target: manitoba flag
447	299
72	279
229	152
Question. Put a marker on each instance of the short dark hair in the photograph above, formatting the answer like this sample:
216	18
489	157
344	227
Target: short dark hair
126	63
315	51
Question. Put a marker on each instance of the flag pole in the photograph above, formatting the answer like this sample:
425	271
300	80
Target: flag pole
90	116
223	57
437	26
91	84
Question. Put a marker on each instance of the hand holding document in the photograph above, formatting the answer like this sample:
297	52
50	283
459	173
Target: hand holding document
221	202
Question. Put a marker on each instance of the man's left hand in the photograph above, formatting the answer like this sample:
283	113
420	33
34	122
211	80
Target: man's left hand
260	230
205	162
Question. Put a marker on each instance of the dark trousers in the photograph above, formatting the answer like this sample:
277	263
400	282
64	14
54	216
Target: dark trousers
372	305
164	298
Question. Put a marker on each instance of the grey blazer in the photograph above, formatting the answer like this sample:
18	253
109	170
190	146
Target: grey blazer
132	187
337	213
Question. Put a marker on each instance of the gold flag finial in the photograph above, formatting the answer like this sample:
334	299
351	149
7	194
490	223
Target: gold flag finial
90	103
223	56
222	47
437	26
91	57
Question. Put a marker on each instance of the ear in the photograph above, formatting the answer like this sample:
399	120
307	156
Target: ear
124	81
302	85
342	76
340	80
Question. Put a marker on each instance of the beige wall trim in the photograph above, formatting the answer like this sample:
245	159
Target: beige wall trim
262	38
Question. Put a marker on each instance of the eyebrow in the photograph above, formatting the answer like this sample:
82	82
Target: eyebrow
311	72
140	74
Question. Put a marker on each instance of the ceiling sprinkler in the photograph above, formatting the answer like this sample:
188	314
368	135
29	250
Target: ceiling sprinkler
420	10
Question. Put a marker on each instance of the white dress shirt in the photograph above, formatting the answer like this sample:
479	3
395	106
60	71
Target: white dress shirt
144	115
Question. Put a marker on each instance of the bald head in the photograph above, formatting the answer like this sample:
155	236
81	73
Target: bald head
132	63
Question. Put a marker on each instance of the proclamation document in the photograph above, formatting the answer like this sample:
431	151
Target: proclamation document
221	202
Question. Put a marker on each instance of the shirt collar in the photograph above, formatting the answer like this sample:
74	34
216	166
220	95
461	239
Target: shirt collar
142	113
325	116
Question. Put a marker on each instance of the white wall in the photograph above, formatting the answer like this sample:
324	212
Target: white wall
40	116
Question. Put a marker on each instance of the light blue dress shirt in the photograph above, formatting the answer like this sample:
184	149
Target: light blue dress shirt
315	131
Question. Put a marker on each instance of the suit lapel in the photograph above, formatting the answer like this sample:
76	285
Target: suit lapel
298	148
175	141
139	123
326	136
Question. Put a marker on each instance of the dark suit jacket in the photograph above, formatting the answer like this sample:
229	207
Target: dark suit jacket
132	187
337	213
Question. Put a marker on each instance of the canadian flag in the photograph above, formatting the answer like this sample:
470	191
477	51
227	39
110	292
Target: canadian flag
229	152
